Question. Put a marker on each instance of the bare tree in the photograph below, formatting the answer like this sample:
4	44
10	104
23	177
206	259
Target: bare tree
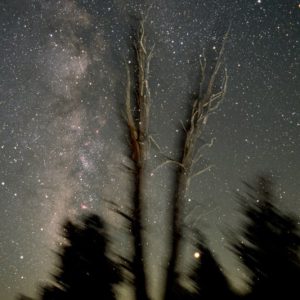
137	118
213	85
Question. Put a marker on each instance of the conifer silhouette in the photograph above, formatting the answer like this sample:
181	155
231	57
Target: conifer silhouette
207	276
269	245
85	271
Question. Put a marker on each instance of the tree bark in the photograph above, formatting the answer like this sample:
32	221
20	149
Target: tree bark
137	119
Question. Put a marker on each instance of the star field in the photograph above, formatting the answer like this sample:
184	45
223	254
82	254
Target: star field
62	137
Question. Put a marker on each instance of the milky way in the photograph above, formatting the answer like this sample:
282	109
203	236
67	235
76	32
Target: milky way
62	131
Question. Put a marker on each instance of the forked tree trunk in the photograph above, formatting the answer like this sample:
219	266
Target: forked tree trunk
137	118
207	101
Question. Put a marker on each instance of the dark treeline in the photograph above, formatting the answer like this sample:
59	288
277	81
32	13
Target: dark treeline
84	271
267	245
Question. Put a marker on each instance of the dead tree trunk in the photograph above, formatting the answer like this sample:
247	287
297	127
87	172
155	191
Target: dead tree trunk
137	118
208	99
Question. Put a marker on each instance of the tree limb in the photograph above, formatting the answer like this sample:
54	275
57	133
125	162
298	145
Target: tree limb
202	171
165	163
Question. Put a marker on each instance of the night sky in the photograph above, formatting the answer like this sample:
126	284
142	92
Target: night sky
62	137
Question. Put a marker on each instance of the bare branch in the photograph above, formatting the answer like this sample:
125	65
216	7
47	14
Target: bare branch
215	97
124	215
128	111
215	107
165	163
202	171
154	142
197	158
219	61
206	145
222	93
209	144
202	60
183	126
142	36
128	169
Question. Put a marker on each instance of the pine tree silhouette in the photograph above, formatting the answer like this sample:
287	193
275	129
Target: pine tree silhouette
85	271
270	246
181	293
207	276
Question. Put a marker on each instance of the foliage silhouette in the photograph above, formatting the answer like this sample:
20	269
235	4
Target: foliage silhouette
85	271
269	245
207	276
